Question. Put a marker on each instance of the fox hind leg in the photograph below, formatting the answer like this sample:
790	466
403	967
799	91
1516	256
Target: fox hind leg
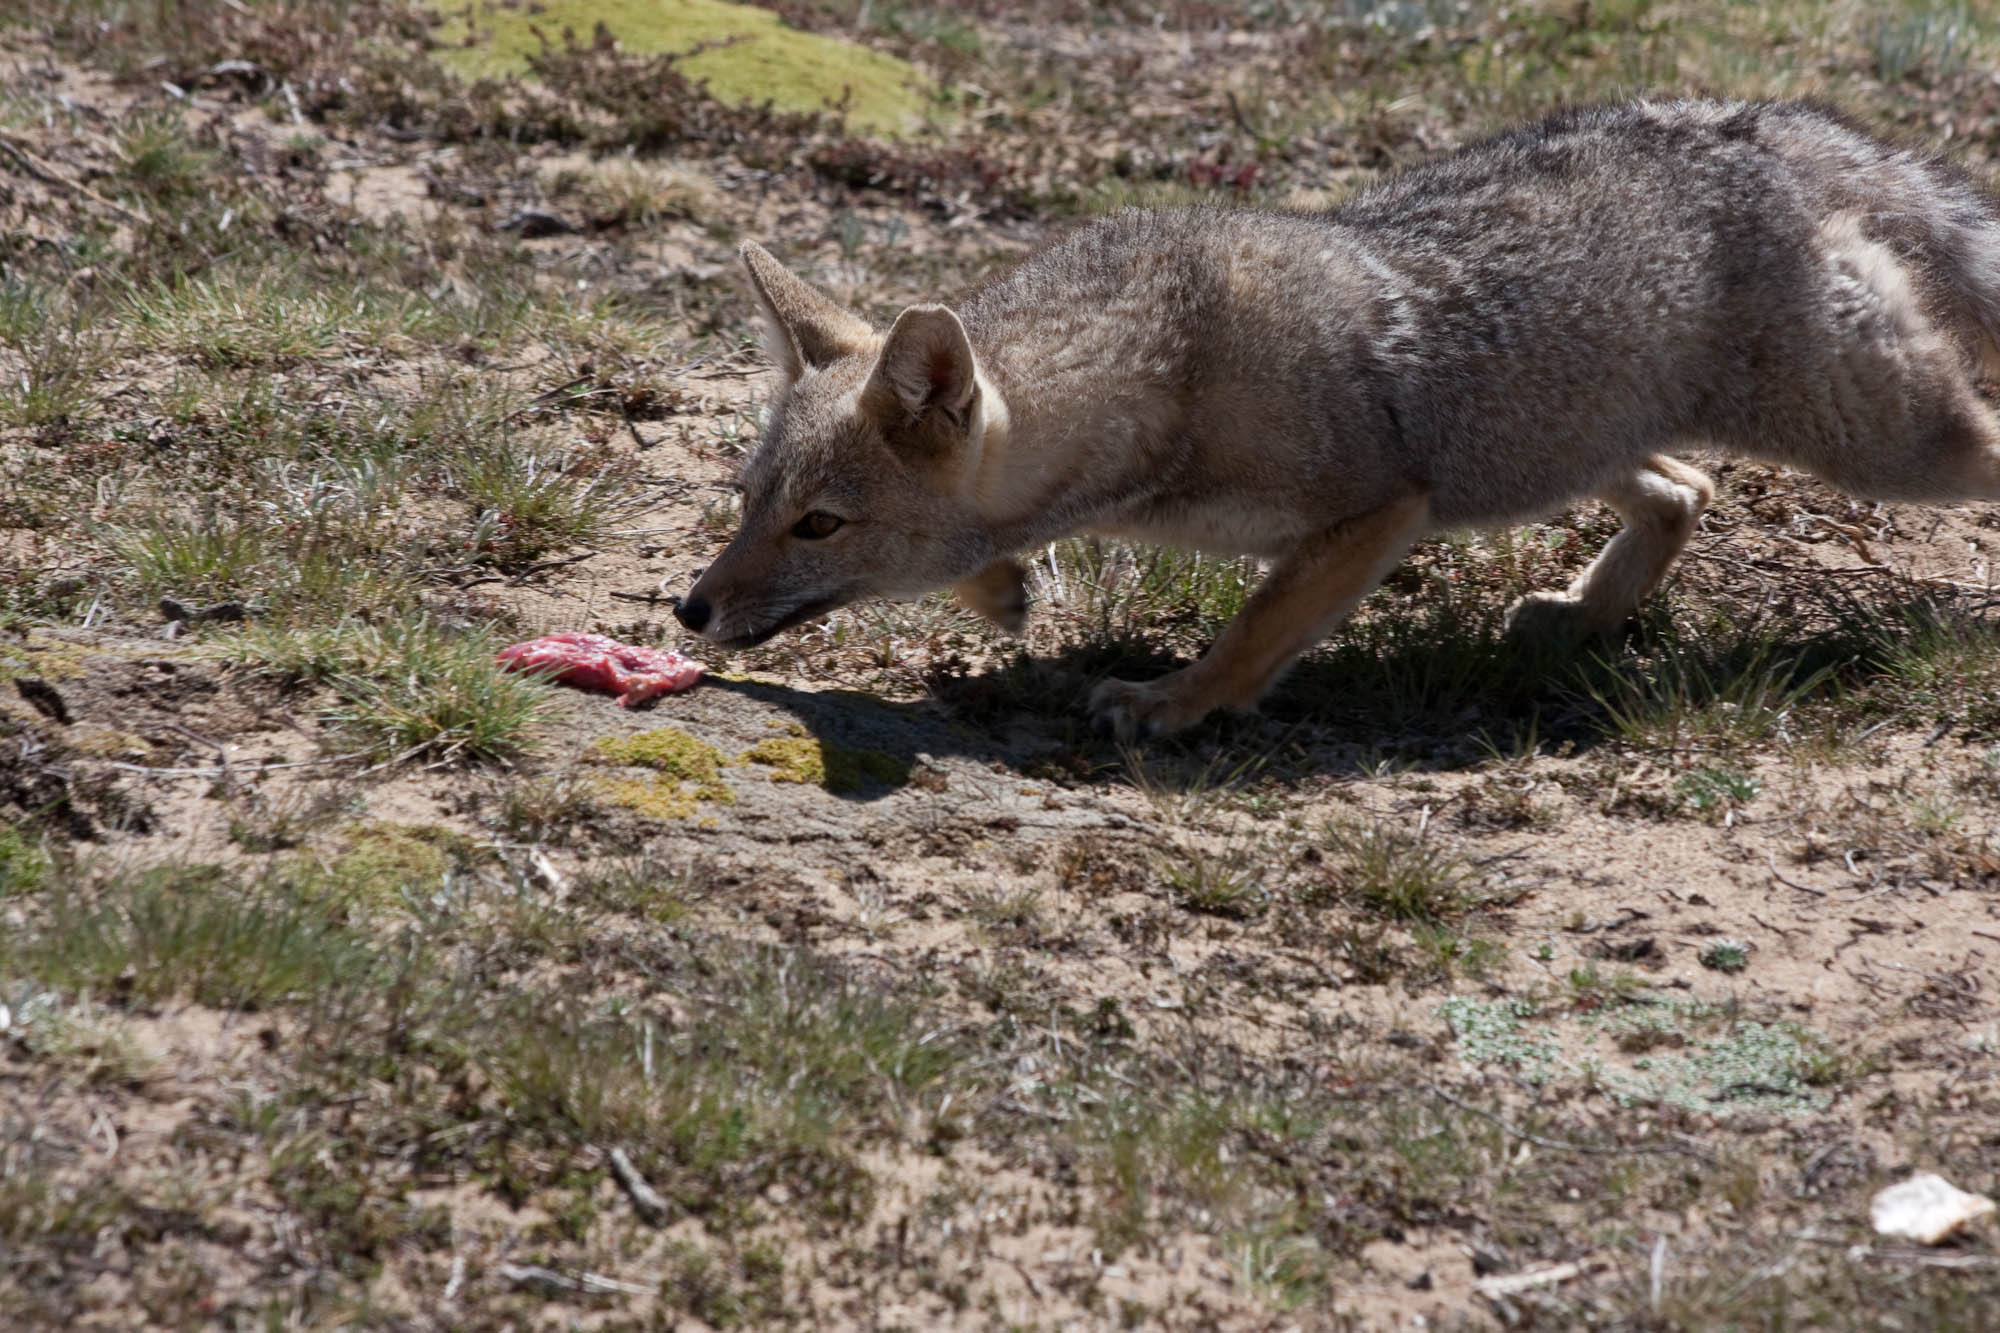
1661	503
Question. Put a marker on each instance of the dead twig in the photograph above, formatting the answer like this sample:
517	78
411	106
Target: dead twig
1510	1284
225	771
589	1284
649	1203
548	565
1771	859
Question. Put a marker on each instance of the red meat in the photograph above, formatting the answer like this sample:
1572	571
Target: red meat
593	662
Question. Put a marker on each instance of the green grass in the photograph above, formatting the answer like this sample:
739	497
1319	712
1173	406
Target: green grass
24	863
249	319
189	932
1926	40
1116	591
59	345
1719	693
1938	669
406	689
528	502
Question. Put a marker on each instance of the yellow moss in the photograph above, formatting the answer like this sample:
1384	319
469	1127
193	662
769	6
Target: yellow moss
790	759
660	796
688	770
744	53
108	743
39	658
820	763
668	749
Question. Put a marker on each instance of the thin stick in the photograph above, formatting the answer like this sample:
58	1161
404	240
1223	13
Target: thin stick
1771	859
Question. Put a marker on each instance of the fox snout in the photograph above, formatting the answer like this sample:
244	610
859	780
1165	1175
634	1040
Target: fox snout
692	612
742	601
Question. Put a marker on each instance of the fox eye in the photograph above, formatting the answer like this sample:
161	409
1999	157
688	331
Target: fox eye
816	525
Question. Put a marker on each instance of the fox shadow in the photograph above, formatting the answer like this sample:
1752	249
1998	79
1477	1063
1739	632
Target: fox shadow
1445	690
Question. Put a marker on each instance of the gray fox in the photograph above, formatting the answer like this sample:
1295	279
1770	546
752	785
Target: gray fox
1534	319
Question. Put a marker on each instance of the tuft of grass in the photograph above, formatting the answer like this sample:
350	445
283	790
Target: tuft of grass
777	1065
204	557
159	162
87	1040
634	193
1937	668
1725	955
267	318
189	932
60	349
1116	592
1228	883
1399	876
404	689
1720	693
644	886
527	502
546	809
1926	39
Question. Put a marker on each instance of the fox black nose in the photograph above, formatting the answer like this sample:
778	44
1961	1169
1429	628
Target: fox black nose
692	612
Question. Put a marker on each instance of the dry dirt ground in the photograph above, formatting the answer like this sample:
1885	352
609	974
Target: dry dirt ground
344	983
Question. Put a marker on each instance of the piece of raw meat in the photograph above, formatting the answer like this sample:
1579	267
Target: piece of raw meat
594	662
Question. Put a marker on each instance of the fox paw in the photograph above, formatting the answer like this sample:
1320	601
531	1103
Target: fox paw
1552	618
1131	709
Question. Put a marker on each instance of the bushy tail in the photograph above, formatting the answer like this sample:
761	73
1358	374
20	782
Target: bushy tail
1972	256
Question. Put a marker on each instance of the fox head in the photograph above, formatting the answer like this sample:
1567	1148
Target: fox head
864	482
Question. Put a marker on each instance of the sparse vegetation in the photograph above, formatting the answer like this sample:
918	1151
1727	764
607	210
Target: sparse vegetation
337	351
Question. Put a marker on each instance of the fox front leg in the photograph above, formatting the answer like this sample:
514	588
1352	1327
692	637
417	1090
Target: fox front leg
1302	599
999	592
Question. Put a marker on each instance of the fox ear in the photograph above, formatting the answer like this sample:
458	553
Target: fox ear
927	366
802	329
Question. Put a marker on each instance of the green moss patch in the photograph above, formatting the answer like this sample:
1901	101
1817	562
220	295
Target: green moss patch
745	54
382	860
805	759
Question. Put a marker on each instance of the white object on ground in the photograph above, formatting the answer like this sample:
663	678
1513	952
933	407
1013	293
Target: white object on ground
1925	1208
